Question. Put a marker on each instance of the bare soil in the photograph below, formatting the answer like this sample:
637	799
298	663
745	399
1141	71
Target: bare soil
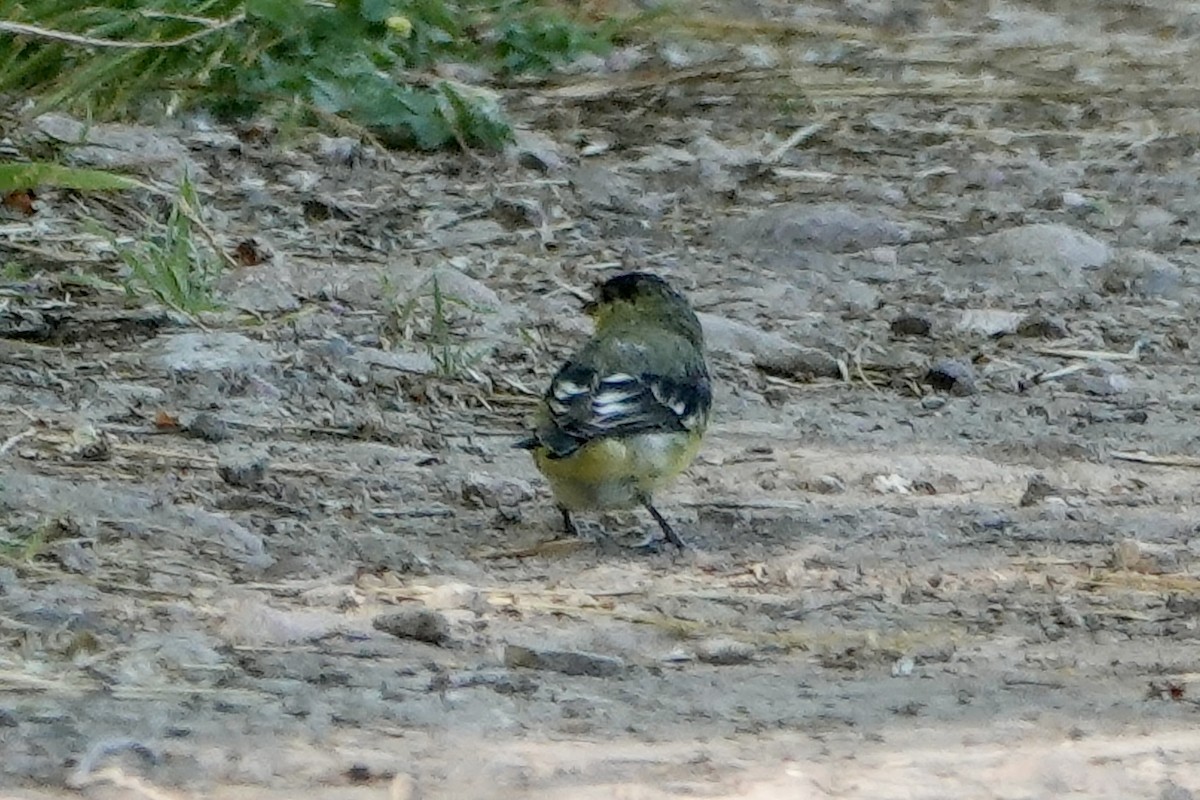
944	528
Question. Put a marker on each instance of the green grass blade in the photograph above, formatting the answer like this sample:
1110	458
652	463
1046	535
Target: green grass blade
15	177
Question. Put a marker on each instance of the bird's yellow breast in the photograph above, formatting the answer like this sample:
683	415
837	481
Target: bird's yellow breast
617	472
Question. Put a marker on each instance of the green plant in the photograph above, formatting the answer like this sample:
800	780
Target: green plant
15	271
34	174
363	64
537	42
23	544
451	356
170	264
427	316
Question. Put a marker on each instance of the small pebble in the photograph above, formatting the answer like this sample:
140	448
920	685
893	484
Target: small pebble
484	490
89	443
75	555
891	484
242	469
1100	380
911	325
208	426
1173	791
724	652
828	484
950	375
1039	326
568	662
1037	489
1075	200
993	521
420	624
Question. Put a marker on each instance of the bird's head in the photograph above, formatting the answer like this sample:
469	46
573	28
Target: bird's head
643	298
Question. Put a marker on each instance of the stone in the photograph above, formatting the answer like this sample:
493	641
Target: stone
421	624
950	375
568	662
212	351
242	468
795	228
769	351
495	491
911	325
724	652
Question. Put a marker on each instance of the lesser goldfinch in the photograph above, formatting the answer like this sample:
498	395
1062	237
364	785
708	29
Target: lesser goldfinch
626	413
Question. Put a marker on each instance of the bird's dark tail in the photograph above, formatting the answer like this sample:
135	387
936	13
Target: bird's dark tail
527	443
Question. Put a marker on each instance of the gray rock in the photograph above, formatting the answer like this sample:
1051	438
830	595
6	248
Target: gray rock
1173	791
1101	379
790	229
339	150
207	426
767	351
1037	489
1150	217
724	652
458	286
24	323
517	214
537	151
259	289
568	662
894	357
1141	272
598	187
420	624
413	361
115	398
951	375
988	321
495	491
1153	559
242	468
75	555
499	681
1041	326
468	232
1049	247
137	513
112	145
911	325
827	484
992	520
211	351
856	296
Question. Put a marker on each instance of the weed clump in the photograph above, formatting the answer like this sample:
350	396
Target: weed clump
350	64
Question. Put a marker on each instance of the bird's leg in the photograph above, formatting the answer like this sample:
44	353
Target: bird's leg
568	523
667	530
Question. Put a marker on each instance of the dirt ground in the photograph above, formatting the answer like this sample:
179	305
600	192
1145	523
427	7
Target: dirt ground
944	525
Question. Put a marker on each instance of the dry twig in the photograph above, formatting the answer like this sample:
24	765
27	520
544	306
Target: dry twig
15	439
211	26
1142	457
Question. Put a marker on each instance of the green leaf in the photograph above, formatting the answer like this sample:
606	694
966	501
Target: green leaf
376	10
14	177
280	12
477	119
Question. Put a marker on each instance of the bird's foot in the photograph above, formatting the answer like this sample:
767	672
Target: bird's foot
668	532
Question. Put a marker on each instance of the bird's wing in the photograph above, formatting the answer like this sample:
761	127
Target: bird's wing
584	403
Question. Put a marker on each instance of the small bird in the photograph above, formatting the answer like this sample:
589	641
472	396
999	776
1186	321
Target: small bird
626	413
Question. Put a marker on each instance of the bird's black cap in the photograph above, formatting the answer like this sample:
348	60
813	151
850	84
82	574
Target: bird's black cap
628	285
